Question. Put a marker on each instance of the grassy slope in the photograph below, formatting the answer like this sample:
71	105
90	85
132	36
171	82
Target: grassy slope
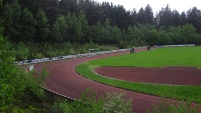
156	58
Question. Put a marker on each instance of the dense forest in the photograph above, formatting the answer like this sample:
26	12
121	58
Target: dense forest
38	28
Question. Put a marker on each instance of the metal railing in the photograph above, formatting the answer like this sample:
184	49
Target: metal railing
33	61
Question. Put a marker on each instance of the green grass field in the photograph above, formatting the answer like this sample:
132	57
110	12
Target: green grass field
177	56
174	56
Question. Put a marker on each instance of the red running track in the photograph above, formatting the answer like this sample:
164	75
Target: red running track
64	80
165	75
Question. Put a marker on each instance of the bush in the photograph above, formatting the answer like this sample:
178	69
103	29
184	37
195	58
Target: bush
90	103
39	56
106	48
72	51
33	91
7	73
22	51
115	102
166	106
16	109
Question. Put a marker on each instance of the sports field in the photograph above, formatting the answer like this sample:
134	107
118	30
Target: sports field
161	57
172	56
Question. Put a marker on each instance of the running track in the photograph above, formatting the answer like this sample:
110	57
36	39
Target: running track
64	80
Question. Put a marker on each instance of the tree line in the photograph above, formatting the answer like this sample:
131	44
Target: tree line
84	21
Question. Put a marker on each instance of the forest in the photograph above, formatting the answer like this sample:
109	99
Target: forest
44	28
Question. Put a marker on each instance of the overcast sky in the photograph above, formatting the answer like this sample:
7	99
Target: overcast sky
156	5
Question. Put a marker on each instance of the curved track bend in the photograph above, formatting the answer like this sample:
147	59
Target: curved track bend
64	80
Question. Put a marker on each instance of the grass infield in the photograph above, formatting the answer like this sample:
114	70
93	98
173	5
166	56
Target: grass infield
173	56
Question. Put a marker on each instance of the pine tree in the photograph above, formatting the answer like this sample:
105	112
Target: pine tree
175	18
84	27
28	26
97	33
183	18
50	7
12	21
42	30
134	17
194	18
66	6
164	18
73	29
148	15
59	30
141	16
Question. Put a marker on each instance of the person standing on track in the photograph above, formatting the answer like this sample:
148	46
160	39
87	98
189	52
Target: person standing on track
132	50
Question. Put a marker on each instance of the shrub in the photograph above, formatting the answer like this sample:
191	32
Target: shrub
166	106
16	109
17	88
39	55
72	51
115	102
22	51
90	103
105	48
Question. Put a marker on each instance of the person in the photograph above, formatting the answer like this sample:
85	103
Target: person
132	50
148	48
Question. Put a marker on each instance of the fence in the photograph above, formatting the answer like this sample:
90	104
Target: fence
52	96
33	61
181	45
